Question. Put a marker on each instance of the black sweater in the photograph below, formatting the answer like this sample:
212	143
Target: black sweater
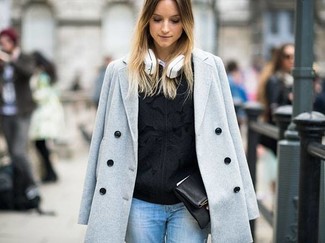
166	151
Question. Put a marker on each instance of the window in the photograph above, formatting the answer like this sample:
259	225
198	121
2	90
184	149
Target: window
205	27
278	29
118	24
4	13
38	30
291	21
274	29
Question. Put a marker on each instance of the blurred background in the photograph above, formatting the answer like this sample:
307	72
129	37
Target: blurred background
78	34
81	36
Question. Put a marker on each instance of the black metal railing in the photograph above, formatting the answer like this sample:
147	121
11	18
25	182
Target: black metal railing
309	204
256	128
311	128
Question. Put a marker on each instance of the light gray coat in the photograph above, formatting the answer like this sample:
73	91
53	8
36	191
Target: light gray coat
107	214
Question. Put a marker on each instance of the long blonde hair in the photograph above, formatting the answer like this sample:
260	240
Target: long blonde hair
142	41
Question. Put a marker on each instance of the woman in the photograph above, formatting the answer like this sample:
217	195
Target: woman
157	122
276	88
47	120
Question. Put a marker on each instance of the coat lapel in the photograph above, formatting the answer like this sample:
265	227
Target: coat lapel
202	83
130	101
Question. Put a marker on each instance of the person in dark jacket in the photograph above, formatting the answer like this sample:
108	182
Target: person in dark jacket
16	100
319	88
277	88
99	80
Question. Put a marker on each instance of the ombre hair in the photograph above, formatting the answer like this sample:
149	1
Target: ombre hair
142	41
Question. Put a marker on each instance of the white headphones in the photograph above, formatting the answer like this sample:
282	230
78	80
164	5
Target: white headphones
173	70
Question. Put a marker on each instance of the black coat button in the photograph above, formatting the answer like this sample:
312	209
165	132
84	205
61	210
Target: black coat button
218	131
117	134
110	163
102	191
236	189
227	160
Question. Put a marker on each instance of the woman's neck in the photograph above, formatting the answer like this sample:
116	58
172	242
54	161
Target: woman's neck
163	53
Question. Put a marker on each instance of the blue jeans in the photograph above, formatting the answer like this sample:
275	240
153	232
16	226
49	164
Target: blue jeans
155	223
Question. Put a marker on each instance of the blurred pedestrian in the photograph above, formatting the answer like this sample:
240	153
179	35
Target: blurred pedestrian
87	133
16	105
99	79
237	89
319	91
47	120
76	82
251	76
266	72
165	113
276	88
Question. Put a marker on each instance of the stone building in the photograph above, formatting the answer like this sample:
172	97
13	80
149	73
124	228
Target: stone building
77	34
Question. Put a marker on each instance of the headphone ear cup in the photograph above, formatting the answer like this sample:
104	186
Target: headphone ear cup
174	68
150	62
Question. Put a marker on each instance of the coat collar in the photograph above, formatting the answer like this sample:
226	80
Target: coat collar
202	82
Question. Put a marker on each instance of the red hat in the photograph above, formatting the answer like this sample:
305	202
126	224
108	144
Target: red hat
10	33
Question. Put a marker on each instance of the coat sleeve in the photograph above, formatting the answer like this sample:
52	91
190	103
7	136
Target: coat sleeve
90	178
251	201
24	66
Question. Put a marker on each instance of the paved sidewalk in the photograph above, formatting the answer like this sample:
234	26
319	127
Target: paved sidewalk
63	197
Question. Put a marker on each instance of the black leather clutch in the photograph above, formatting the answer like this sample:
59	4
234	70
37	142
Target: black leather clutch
192	193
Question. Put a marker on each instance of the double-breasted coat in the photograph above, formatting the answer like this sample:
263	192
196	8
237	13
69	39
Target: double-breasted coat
112	165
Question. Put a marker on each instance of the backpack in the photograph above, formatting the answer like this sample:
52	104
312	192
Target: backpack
17	192
6	188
